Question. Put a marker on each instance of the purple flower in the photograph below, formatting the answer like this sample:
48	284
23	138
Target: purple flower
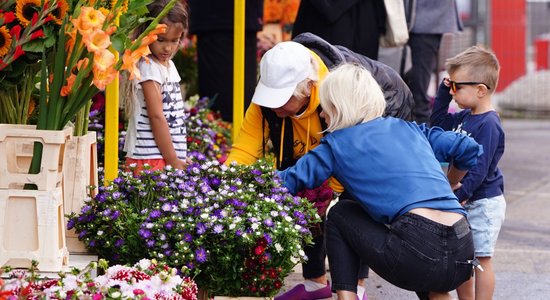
268	223
85	209
115	215
161	184
169	225
188	237
167	207
119	243
154	214
215	181
218	228
150	243
268	238
201	228
256	172
200	255
145	233
71	223
116	195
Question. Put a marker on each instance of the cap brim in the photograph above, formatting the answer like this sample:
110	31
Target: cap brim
270	97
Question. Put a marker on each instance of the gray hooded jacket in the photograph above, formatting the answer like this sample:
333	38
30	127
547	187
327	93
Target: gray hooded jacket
399	99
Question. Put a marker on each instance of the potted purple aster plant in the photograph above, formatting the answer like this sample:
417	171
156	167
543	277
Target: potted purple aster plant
234	229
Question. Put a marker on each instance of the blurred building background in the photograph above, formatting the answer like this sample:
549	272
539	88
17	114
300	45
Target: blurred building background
519	33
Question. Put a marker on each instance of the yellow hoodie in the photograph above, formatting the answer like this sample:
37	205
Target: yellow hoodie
247	147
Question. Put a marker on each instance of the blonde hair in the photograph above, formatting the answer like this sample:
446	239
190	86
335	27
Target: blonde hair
350	95
480	64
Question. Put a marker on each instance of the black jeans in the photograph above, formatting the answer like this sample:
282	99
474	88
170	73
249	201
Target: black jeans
414	253
315	266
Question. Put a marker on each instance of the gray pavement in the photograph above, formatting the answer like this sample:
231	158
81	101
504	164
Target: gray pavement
522	257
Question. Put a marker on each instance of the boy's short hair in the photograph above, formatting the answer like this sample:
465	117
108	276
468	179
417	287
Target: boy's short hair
480	63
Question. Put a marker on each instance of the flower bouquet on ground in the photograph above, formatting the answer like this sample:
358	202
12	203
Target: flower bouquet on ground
147	279
234	229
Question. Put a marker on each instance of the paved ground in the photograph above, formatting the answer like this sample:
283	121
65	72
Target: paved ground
522	258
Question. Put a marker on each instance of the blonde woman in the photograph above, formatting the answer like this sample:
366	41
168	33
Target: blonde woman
404	221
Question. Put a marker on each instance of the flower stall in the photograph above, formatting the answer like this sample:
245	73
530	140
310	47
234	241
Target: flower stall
67	43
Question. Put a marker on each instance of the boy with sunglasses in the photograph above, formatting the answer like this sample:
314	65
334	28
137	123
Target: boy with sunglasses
473	79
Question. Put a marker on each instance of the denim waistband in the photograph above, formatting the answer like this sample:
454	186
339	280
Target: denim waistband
460	228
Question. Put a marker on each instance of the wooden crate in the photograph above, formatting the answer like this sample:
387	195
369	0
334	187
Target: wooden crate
16	144
80	172
32	227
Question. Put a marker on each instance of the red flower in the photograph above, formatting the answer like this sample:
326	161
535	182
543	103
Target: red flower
37	34
18	52
16	31
259	250
9	17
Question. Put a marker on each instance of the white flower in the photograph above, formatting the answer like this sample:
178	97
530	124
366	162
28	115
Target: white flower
144	264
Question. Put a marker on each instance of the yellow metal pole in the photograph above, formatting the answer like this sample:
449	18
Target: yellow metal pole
238	67
111	129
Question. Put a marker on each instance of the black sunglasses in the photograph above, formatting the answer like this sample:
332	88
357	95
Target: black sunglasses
454	84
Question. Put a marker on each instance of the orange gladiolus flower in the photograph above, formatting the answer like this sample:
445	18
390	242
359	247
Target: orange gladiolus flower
129	63
130	60
66	90
104	59
103	78
88	20
83	63
96	40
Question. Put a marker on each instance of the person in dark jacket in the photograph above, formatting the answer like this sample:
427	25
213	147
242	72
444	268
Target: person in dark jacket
212	22
354	24
285	107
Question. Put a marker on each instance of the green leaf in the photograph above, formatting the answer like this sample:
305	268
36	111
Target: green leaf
36	45
118	41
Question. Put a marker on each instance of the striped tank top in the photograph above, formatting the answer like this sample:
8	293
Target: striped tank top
140	143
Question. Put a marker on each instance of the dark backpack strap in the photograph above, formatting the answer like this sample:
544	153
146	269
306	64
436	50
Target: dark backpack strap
275	124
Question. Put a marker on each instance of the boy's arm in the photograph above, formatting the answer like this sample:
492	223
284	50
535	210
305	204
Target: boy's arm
462	150
247	147
489	137
440	113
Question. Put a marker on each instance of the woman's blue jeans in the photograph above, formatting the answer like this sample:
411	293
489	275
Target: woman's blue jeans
413	253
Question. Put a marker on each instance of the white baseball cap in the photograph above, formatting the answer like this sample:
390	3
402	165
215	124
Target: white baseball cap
281	69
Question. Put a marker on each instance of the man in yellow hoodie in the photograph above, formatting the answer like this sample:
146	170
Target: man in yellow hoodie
285	109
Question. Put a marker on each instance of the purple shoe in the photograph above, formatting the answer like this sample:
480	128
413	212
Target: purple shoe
299	293
365	297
